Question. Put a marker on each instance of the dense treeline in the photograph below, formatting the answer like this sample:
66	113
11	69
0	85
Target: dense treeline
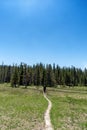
42	75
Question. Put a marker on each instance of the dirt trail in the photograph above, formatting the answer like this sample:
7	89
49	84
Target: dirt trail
48	125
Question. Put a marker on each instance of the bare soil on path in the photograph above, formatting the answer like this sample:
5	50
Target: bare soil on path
48	125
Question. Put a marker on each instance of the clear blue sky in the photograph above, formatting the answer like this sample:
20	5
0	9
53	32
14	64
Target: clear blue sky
47	31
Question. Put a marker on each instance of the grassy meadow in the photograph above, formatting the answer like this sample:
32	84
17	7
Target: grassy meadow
69	111
21	109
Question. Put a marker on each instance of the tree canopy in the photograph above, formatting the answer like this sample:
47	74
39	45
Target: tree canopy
42	75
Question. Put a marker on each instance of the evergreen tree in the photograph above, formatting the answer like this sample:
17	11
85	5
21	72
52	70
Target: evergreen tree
50	76
15	77
21	74
39	74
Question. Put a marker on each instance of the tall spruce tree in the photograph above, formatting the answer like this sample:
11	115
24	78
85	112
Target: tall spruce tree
15	77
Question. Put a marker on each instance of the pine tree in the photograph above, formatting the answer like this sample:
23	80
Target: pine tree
15	77
21	74
50	76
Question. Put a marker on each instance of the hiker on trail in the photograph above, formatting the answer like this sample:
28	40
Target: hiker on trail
44	89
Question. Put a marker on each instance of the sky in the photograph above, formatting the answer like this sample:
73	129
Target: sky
47	31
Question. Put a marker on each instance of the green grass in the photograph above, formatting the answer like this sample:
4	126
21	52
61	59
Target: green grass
69	111
21	109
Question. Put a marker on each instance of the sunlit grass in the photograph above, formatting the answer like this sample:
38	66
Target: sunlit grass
21	109
69	111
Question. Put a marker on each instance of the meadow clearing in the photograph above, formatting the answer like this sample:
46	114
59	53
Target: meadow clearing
69	111
23	109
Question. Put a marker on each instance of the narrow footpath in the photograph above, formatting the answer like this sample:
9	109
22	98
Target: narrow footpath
48	125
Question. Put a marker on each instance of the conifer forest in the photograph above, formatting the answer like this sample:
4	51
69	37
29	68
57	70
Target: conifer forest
42	75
